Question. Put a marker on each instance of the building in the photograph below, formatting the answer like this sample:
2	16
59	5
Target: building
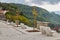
42	24
57	28
2	13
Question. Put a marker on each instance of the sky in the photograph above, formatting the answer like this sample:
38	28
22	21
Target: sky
50	5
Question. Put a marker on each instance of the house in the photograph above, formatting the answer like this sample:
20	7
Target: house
57	28
2	13
42	24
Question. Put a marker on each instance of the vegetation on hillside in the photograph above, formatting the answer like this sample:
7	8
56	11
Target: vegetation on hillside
26	16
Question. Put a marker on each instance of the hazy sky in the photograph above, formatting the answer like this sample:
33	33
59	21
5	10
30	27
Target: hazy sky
50	5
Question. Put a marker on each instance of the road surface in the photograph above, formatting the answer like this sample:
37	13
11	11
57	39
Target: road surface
9	32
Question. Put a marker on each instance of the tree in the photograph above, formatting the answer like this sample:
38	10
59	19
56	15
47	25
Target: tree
34	15
8	15
17	18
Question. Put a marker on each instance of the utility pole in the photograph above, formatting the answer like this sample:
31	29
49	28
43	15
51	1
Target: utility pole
35	15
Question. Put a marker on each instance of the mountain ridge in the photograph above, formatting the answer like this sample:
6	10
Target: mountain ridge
43	14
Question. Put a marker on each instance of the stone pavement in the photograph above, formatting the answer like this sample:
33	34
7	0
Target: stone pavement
9	32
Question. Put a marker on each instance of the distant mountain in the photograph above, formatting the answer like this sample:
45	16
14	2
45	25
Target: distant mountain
55	18
43	15
57	12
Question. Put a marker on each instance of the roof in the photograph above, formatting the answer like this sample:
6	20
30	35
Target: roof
3	11
42	22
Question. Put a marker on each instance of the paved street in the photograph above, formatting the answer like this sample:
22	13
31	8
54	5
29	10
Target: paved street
9	32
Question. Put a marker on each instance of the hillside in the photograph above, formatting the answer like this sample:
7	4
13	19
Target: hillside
43	15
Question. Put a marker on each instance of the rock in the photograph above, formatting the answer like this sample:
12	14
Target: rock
46	31
23	26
